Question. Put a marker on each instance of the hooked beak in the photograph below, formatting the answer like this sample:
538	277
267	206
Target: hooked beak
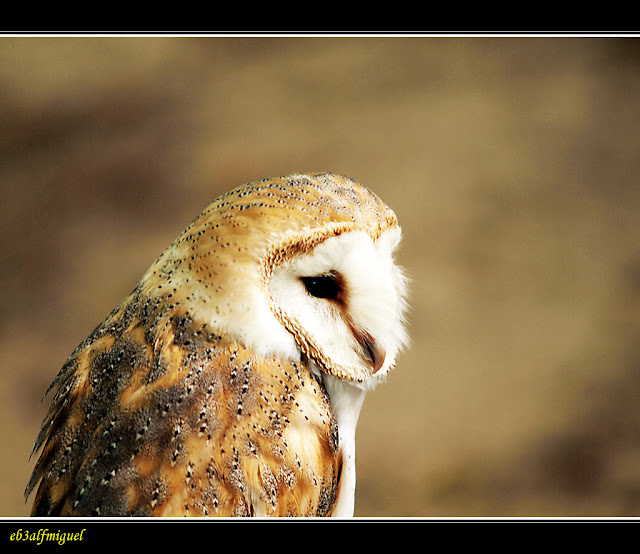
374	353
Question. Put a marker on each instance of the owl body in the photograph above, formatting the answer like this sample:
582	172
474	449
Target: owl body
230	380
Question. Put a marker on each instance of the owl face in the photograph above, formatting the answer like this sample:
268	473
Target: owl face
296	266
343	304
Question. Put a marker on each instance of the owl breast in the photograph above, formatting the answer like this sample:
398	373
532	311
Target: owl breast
228	433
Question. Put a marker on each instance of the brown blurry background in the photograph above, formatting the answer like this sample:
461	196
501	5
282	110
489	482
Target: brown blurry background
512	164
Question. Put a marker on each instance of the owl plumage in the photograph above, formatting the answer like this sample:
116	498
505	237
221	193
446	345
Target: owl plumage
229	382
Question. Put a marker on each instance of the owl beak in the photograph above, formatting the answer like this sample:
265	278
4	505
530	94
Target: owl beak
373	351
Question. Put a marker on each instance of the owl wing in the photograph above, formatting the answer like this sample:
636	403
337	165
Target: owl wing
154	415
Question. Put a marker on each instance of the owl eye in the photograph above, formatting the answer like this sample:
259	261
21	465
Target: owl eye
323	286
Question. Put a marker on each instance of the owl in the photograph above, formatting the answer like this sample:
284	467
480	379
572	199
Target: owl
230	381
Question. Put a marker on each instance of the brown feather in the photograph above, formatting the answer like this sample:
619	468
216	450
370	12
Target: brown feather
197	427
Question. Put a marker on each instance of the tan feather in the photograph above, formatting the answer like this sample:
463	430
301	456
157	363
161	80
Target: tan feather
202	428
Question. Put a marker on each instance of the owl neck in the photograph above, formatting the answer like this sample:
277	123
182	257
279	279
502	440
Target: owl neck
346	401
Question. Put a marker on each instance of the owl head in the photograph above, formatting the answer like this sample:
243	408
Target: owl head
298	267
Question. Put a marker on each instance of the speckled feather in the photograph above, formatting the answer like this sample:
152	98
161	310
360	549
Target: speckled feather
168	409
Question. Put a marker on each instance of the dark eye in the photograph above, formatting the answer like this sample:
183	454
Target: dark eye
322	286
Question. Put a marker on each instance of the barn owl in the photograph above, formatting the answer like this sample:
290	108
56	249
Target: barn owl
230	381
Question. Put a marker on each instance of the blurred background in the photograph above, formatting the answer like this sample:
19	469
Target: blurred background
512	164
